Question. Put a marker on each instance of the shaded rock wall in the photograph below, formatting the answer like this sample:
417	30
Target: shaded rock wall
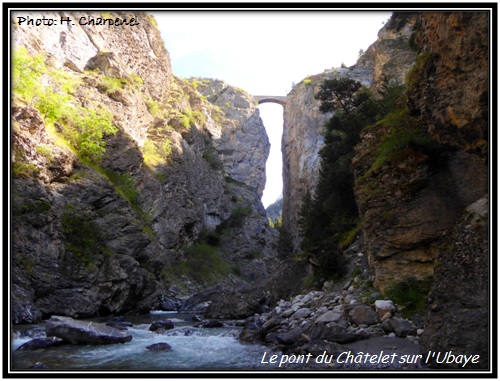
452	95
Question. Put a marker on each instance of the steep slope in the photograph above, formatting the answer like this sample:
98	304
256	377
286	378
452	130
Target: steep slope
129	186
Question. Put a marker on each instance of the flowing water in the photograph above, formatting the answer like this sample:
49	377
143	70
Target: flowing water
192	349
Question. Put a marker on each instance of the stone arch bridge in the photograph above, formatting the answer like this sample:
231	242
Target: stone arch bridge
270	99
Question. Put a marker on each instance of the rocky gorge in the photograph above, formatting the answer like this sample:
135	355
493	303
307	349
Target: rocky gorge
161	210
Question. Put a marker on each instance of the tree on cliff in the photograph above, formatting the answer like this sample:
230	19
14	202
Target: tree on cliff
329	215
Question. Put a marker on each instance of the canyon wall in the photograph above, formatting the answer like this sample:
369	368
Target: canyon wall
131	186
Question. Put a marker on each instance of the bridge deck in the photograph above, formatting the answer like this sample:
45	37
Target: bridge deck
270	99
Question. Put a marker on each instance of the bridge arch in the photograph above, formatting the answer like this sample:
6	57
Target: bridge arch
270	99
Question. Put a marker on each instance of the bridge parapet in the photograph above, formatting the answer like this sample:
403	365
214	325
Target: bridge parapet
270	99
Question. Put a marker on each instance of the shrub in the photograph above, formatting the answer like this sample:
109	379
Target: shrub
27	72
45	151
84	129
137	79
410	294
154	156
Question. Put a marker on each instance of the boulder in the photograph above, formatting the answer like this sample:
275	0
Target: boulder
301	313
119	322
161	325
363	315
84	332
402	327
168	305
332	332
330	316
159	347
290	337
383	307
210	324
40	342
319	347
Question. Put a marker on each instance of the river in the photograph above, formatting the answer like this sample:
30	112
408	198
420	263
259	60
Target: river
192	349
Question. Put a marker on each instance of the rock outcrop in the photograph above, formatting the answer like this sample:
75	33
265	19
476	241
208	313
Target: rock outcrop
84	332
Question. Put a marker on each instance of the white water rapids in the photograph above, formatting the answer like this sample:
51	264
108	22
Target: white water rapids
201	348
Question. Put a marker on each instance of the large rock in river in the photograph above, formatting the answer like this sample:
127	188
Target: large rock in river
84	332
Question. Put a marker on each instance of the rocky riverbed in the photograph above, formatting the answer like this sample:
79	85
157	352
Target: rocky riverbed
342	319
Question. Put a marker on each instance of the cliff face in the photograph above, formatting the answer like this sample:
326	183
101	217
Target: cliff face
390	55
411	201
451	94
110	223
452	89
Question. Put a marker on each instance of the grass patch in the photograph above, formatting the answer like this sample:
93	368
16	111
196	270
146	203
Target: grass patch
153	107
24	170
348	237
35	206
202	263
124	185
45	151
111	85
421	63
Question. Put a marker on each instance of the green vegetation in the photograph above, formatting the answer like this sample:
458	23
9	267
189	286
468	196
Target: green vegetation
21	169
237	217
124	185
82	236
153	107
45	151
202	263
396	146
33	206
212	157
27	73
152	20
328	216
83	129
421	63
137	79
155	153
410	294
111	85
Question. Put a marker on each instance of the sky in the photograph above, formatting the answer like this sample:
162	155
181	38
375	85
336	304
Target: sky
264	53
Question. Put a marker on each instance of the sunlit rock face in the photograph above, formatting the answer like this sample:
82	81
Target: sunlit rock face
390	56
